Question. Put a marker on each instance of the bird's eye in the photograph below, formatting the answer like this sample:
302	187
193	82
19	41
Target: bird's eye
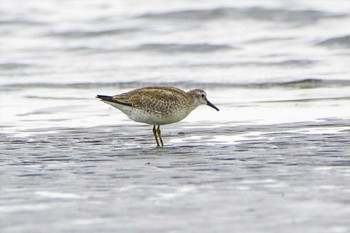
203	95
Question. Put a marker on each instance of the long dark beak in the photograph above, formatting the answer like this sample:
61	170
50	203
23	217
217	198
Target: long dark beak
212	105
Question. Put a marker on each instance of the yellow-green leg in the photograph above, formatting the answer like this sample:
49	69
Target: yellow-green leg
155	135
160	136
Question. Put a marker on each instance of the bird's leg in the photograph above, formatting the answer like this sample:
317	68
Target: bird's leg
160	136
155	134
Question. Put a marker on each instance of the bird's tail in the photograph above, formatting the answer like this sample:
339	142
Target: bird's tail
109	100
105	97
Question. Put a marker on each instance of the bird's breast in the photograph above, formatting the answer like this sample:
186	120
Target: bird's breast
154	118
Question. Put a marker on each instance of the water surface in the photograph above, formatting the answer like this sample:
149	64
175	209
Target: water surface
275	158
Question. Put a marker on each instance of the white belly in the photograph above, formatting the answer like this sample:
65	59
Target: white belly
139	115
156	119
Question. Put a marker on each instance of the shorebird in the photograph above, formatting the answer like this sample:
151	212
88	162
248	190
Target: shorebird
158	105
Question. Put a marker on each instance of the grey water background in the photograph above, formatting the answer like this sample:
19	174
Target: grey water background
274	159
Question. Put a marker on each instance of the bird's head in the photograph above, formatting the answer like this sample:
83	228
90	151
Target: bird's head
200	97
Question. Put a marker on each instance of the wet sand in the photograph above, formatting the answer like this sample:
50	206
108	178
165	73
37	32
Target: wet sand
251	178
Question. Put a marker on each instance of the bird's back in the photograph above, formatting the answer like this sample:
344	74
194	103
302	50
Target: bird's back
155	100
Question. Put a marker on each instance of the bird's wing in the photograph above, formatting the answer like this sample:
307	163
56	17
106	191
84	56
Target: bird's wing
152	100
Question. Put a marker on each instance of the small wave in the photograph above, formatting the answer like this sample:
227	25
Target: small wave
305	84
21	21
297	84
255	13
291	63
96	33
283	15
179	48
200	14
14	66
52	98
286	63
336	42
269	39
307	100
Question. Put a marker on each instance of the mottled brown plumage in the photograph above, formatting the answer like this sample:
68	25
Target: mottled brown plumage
155	100
158	105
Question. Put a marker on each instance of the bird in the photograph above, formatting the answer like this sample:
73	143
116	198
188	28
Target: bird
158	105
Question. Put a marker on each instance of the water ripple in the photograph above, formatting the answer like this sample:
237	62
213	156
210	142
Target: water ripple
336	42
180	48
298	84
254	13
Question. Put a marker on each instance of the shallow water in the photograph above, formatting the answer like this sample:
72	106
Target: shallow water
246	178
275	158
